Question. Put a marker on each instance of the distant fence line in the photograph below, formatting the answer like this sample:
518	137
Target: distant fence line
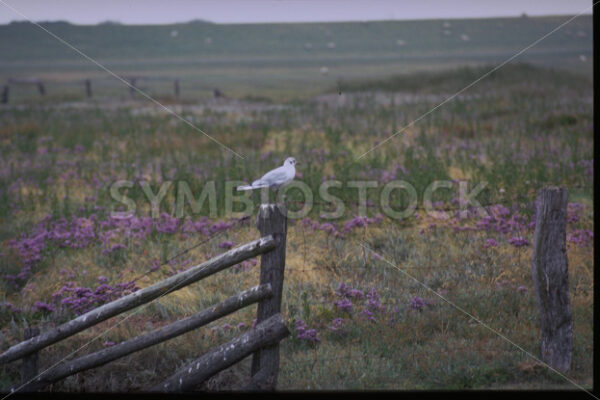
132	80
261	340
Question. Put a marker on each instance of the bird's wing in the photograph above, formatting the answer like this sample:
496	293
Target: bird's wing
273	177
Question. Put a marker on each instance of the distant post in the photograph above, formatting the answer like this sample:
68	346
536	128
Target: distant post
551	278
272	220
88	87
4	97
176	88
132	87
41	88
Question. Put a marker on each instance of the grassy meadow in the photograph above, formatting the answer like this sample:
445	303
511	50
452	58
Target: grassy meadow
358	321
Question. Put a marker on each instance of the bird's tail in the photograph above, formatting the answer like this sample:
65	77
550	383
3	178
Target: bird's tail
245	187
255	185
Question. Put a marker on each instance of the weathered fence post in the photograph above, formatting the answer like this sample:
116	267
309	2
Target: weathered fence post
272	220
132	86
41	88
4	97
88	87
29	367
551	278
176	88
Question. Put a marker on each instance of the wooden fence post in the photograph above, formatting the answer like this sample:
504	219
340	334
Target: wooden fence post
29	368
88	87
5	91
176	88
272	220
41	88
132	87
551	278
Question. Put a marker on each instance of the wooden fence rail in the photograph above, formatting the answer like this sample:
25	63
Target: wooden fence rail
21	81
170	331
139	297
262	340
266	333
133	80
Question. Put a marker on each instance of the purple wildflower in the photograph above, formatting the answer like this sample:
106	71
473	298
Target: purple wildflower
580	237
11	307
226	245
417	303
337	324
344	305
307	335
518	241
373	300
342	290
491	243
41	306
328	228
155	265
368	314
355	294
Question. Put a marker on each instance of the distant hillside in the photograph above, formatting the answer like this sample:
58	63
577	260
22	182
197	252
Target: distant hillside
24	41
268	57
453	80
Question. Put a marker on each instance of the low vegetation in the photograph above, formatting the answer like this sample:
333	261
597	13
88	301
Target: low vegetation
359	319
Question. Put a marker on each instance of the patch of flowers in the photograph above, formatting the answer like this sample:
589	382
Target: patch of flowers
344	305
581	237
80	300
416	303
518	241
370	301
226	245
359	222
491	243
111	233
337	325
44	307
506	222
303	333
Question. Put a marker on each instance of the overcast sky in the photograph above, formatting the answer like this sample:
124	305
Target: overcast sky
240	11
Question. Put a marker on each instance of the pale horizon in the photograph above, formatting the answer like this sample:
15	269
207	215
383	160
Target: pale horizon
155	12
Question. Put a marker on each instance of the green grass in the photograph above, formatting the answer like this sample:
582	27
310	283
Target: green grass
524	128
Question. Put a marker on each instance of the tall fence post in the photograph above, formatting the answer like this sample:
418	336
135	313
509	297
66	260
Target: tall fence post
29	367
551	278
272	220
